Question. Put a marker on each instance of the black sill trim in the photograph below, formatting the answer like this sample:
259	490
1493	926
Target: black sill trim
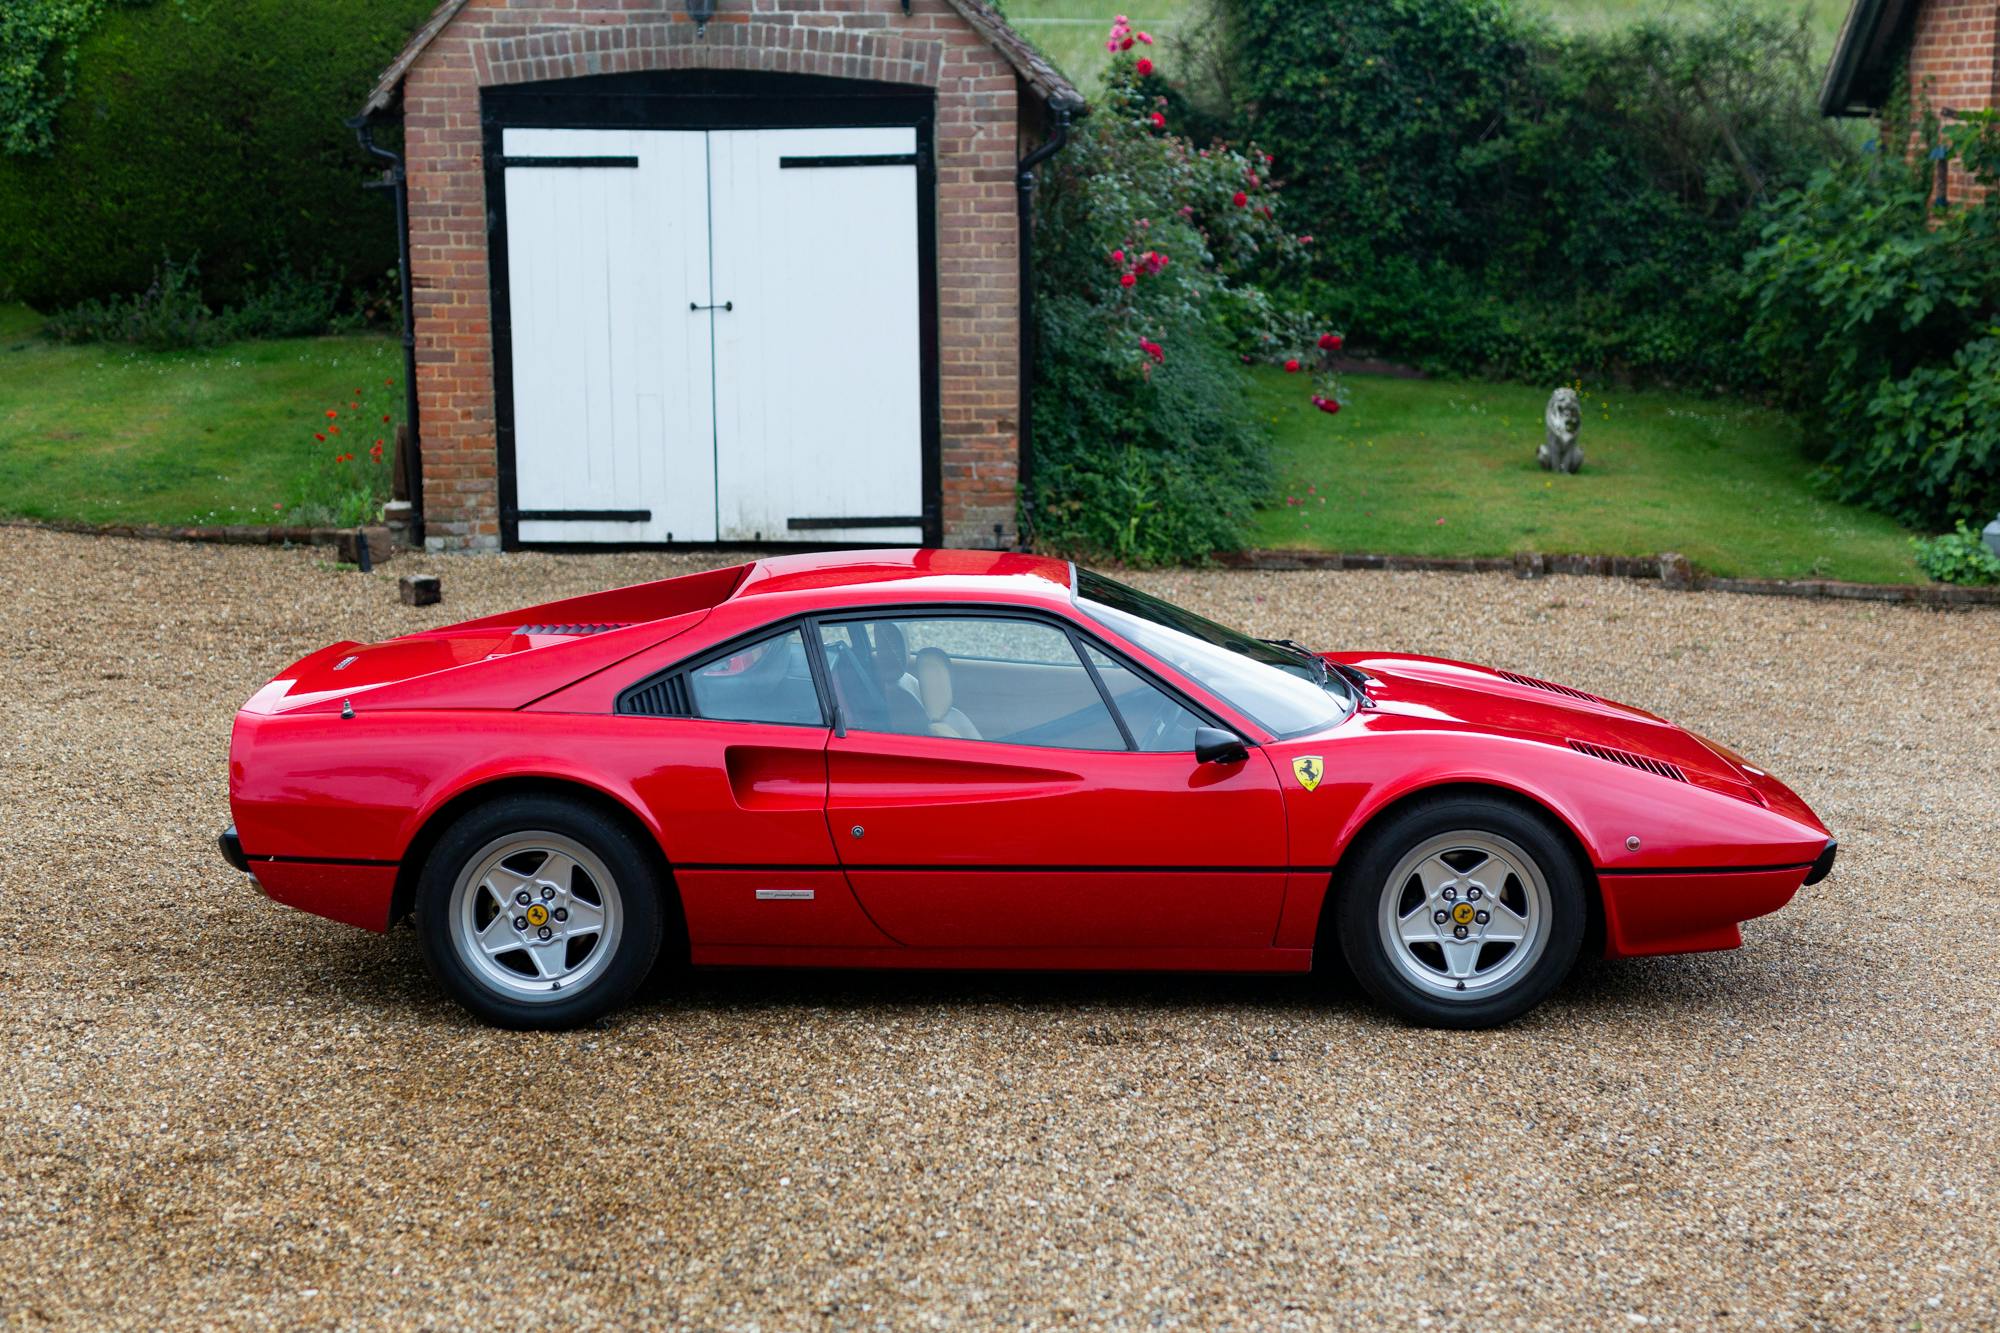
873	521
569	162
583	516
850	160
317	861
1711	870
1010	870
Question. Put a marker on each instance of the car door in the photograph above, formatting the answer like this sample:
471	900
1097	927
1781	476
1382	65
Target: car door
735	776
983	793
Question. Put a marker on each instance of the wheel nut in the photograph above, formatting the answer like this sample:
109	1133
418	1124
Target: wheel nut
545	932
1440	916
562	914
547	893
1475	893
1482	917
1458	932
1451	895
520	923
522	897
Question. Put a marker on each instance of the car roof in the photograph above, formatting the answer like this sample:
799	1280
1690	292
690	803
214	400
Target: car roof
909	574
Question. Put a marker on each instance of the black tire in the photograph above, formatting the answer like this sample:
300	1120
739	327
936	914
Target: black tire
1363	912
607	981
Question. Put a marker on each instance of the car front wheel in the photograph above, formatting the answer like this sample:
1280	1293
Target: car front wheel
537	912
1462	912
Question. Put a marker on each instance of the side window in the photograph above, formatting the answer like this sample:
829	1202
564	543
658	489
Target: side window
767	681
1156	720
967	678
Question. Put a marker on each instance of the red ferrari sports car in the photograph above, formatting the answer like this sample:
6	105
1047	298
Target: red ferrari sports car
952	759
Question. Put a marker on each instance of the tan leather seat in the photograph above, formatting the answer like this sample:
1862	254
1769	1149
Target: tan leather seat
933	672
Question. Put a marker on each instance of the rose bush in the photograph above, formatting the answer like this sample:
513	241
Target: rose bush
1148	253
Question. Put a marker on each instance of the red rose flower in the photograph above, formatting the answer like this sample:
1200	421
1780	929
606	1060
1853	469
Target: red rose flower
1127	279
1239	199
1292	366
1145	67
1330	341
1159	121
1125	45
1117	256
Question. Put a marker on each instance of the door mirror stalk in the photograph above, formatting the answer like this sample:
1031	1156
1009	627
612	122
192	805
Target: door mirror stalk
1213	745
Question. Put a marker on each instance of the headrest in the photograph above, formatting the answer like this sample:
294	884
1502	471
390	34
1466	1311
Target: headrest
933	672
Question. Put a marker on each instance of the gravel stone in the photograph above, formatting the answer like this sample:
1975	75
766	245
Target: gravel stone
221	1112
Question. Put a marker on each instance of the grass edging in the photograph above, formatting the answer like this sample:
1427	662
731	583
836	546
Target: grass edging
382	542
1670	569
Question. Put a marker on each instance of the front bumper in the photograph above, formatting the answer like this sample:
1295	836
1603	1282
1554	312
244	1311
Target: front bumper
1823	866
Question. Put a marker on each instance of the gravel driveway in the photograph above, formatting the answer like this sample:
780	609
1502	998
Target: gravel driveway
219	1111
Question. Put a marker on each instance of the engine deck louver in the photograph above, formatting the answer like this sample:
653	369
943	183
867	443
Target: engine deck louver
1549	685
1630	760
571	629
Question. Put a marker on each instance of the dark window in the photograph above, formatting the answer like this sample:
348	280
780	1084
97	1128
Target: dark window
766	681
1156	719
967	678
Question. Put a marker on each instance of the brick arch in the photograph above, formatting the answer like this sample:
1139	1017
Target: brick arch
581	50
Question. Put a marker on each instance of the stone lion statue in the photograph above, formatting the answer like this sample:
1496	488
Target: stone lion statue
1564	418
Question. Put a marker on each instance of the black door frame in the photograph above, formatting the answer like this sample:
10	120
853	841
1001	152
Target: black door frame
708	100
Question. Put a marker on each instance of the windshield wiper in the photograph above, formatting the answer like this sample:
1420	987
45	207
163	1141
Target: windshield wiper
1293	645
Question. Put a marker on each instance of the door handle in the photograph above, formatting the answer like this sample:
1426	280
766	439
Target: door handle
726	305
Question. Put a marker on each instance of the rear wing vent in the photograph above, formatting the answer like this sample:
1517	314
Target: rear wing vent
1548	685
1630	760
572	629
663	696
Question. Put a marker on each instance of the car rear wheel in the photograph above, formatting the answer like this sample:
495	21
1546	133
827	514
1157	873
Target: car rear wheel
1463	912
538	912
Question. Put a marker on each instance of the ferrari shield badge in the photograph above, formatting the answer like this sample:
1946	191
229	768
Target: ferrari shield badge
1308	769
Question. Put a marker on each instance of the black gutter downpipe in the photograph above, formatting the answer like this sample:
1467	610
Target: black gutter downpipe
1024	471
393	179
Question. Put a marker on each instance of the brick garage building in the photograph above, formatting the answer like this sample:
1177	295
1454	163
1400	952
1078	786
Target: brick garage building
718	270
1948	50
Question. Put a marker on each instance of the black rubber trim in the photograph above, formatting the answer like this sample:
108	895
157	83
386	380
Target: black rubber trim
1824	865
1708	870
319	861
232	849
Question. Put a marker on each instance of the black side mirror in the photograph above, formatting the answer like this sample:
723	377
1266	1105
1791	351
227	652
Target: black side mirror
1213	745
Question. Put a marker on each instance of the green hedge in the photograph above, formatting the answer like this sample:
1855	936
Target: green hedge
209	128
1487	194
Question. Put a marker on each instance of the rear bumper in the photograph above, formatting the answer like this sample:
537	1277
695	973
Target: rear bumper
1824	865
356	893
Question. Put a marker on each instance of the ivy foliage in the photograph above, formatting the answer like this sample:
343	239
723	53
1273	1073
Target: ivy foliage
1877	313
38	40
198	125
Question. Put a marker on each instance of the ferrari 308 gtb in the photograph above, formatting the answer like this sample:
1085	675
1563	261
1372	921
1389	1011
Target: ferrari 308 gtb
961	759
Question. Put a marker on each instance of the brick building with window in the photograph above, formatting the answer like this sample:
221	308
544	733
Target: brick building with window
1948	50
718	270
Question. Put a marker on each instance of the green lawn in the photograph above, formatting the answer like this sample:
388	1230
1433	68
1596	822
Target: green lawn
1447	468
1072	32
111	434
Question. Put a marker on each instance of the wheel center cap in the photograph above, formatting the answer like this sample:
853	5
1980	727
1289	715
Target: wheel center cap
538	915
1462	913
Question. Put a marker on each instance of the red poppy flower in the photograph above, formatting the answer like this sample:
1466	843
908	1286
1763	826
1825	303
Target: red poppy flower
331	414
388	384
334	429
1239	199
1127	279
1292	366
357	393
321	438
376	452
385	418
1144	67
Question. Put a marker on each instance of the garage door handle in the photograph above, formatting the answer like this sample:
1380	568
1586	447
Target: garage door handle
726	305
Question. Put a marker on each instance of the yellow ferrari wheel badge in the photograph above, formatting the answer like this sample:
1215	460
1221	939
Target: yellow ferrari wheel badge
1462	914
1308	769
538	915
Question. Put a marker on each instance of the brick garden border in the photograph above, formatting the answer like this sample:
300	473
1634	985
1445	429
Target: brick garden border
382	543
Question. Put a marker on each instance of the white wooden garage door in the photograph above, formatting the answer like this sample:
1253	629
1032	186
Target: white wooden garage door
715	335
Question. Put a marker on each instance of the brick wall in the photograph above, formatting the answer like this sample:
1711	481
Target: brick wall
496	42
1955	63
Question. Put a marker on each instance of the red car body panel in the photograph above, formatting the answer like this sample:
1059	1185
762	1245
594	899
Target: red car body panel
970	853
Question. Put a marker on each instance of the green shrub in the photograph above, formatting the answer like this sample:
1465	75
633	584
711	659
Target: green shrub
38	40
1877	313
1959	556
170	312
1490	195
210	125
1144	450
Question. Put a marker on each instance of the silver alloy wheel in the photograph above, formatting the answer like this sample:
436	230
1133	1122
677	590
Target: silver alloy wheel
1465	915
535	915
